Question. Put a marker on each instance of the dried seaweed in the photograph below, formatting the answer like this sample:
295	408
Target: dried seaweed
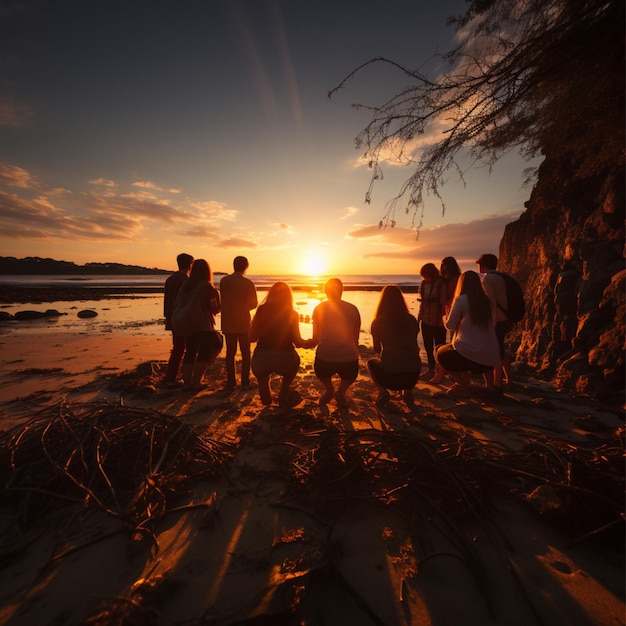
128	462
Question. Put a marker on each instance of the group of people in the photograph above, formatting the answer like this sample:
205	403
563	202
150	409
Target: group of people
462	303
472	307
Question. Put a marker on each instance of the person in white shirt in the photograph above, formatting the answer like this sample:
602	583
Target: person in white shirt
474	347
336	328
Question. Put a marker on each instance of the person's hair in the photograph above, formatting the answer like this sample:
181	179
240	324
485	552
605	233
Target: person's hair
488	261
480	311
240	264
429	271
279	298
184	261
333	288
200	273
449	267
391	303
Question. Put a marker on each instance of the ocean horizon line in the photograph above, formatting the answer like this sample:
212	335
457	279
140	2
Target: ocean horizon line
143	283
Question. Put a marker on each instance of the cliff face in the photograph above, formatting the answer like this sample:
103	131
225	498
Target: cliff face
567	251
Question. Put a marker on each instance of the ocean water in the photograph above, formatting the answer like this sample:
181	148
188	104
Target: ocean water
262	281
142	313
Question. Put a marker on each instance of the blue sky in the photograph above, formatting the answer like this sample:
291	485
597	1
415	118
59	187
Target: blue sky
132	131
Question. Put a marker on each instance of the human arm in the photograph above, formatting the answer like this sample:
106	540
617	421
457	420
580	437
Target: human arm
452	320
375	331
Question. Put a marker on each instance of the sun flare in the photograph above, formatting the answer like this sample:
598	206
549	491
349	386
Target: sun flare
313	263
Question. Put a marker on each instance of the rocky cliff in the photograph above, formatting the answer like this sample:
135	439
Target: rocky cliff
567	251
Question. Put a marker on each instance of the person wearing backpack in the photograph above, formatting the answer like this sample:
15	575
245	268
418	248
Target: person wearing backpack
494	284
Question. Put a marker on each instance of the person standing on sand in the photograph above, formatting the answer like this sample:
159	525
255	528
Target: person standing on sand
203	298
239	297
432	293
450	272
474	347
394	332
275	329
172	287
336	328
495	288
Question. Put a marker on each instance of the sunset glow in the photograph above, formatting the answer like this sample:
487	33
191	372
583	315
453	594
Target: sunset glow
313	264
224	142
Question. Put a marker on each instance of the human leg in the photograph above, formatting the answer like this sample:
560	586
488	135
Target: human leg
288	369
231	351
262	364
205	357
347	375
244	348
176	355
428	339
374	367
191	350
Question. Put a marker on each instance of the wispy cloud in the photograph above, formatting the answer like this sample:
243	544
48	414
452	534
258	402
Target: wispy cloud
236	242
104	211
13	176
464	241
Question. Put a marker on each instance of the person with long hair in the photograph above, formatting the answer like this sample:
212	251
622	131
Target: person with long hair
275	330
450	272
474	347
201	351
432	296
394	332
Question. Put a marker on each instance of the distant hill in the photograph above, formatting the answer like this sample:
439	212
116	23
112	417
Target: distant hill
37	265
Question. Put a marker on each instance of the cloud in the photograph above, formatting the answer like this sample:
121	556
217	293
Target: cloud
350	212
13	176
14	114
103	182
147	185
100	213
464	241
215	209
235	242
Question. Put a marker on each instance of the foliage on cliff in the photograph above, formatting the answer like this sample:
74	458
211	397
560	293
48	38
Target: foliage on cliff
542	76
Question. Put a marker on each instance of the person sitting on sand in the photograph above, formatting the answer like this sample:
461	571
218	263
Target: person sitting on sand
276	331
200	351
394	332
474	347
336	328
172	287
239	297
432	294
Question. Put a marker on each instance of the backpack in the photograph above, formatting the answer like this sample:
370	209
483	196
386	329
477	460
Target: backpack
516	307
188	316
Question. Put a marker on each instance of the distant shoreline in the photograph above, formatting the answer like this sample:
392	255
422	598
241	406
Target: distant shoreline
11	294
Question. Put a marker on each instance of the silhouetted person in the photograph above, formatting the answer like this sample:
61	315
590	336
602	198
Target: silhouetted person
450	273
394	332
172	287
336	328
200	351
275	329
432	293
474	347
495	288
239	297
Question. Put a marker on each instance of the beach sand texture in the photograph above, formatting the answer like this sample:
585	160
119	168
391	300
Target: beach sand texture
489	509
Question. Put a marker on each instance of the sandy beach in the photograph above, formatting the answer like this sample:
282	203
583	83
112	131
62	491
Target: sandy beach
487	509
